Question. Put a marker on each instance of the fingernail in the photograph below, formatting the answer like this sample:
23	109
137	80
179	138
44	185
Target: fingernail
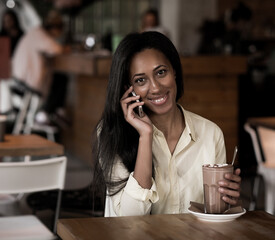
221	190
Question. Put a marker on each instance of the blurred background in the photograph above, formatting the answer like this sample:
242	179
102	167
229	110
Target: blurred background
227	50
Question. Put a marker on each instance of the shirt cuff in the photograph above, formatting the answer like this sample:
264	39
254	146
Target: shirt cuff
133	189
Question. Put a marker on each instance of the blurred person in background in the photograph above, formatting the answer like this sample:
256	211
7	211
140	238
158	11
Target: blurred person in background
12	31
11	28
30	64
150	22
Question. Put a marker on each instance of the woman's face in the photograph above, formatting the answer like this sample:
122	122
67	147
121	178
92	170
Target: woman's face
153	78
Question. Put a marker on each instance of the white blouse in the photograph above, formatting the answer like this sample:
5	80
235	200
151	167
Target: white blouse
178	177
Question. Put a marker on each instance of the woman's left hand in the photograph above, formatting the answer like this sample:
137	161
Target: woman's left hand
231	187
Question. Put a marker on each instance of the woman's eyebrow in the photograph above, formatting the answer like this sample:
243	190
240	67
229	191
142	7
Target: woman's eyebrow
138	74
156	68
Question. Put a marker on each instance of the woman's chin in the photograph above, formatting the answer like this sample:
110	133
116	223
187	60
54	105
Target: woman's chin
160	109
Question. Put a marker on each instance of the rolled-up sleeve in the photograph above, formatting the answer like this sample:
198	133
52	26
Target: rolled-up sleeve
133	189
132	200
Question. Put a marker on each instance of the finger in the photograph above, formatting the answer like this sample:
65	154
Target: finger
132	106
229	184
233	177
229	192
130	99
129	112
237	172
125	100
229	200
127	92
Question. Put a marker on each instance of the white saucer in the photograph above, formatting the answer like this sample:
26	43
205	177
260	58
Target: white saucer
217	217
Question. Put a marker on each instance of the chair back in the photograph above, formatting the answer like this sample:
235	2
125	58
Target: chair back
255	142
267	140
33	176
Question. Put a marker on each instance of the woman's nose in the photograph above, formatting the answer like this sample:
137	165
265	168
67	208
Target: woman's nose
154	86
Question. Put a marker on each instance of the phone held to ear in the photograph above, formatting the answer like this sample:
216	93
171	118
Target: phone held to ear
140	109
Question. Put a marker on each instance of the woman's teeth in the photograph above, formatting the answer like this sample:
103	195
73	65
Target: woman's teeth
159	100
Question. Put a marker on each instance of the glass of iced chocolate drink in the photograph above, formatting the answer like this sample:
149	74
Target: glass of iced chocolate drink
212	174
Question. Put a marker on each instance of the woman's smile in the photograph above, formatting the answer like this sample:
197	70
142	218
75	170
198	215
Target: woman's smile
159	100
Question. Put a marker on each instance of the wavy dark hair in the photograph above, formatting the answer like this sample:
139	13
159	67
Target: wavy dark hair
116	137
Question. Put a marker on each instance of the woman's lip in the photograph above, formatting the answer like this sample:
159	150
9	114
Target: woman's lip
159	100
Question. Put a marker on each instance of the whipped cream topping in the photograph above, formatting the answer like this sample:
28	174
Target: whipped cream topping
215	165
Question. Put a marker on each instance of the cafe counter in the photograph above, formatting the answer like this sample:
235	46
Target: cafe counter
210	90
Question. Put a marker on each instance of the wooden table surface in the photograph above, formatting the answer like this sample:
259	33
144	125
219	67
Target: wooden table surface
33	145
252	225
262	121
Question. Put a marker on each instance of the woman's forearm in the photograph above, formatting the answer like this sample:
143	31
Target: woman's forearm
143	167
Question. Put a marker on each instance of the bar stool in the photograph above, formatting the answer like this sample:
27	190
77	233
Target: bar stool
28	101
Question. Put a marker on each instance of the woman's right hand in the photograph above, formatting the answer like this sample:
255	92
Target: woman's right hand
142	125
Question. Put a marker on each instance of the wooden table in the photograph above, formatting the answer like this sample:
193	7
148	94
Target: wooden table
262	121
32	145
252	225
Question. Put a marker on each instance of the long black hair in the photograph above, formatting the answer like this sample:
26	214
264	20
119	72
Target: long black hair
114	137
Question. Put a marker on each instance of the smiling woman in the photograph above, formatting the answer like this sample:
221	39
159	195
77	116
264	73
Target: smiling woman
152	164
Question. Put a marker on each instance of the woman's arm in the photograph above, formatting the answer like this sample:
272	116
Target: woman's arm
140	191
143	167
132	199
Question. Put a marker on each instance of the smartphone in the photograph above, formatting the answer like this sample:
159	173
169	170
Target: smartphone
140	109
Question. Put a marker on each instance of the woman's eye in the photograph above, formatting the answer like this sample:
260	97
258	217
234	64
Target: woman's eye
162	72
140	80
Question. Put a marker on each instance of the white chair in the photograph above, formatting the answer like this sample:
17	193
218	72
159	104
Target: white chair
263	141
27	177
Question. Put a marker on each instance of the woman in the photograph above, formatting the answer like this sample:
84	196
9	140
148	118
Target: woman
11	28
152	164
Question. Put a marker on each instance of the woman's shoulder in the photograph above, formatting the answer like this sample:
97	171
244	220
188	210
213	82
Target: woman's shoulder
196	117
200	122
